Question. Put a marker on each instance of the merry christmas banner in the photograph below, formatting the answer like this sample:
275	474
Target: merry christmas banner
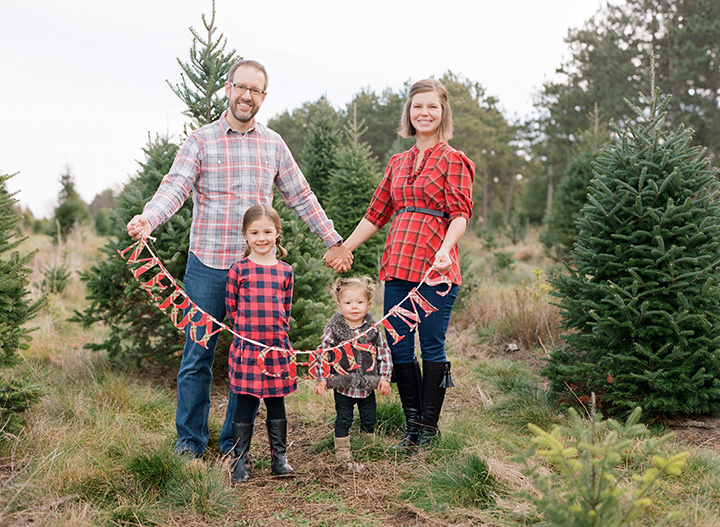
169	297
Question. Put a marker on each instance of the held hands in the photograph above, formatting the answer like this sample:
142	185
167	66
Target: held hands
139	227
339	258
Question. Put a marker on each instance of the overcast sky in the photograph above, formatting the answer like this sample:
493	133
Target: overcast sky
83	82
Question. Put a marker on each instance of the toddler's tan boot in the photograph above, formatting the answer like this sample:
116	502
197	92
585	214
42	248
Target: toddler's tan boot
342	449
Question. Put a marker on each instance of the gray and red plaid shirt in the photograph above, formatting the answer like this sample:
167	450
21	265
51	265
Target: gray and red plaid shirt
228	172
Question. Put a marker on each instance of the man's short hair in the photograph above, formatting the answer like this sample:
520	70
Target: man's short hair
251	63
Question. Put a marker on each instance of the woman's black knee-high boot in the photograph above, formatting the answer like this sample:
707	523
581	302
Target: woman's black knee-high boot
409	384
436	379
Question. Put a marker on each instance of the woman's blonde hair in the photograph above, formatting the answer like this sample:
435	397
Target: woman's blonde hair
361	282
257	212
446	128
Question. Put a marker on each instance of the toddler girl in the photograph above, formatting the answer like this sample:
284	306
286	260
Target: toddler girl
353	297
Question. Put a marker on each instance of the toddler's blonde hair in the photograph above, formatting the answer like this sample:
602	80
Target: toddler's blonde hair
363	282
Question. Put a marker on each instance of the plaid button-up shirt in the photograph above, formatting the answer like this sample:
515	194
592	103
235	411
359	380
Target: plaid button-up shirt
443	182
228	172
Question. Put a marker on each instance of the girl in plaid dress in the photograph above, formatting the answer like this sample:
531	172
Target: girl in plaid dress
258	297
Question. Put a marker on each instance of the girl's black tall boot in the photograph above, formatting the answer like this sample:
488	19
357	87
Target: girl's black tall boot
242	435
277	437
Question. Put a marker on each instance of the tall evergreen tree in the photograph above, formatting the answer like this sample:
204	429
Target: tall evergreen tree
294	127
381	114
485	136
137	328
609	60
71	209
320	153
203	77
351	186
643	300
15	310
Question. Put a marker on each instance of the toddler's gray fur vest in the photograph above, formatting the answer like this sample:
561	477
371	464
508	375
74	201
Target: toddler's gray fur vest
359	378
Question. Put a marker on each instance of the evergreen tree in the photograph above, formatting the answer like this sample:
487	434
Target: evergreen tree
352	184
571	194
204	76
485	136
320	153
643	300
294	127
103	224
15	310
71	209
609	60
381	114
137	328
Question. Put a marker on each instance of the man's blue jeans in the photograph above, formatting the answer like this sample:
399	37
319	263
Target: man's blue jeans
431	330
206	288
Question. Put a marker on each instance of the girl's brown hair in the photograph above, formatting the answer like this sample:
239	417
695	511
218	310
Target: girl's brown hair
446	128
257	212
363	282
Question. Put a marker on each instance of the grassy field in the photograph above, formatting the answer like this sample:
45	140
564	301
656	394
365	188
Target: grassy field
98	446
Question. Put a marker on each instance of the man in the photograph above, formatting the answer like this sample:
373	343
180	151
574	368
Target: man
230	165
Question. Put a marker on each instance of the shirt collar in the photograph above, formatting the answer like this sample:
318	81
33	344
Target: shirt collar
431	149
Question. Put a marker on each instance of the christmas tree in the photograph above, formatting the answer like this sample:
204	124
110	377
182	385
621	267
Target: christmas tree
15	310
71	209
642	299
320	153
204	76
137	329
352	185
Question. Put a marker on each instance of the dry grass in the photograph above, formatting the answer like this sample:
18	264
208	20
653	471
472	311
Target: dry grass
69	466
515	319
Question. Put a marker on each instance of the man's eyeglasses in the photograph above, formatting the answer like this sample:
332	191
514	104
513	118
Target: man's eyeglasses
241	88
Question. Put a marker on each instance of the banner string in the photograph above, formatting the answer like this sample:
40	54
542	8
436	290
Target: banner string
189	310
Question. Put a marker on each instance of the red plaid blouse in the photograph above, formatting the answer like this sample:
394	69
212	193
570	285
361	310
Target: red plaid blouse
443	182
257	301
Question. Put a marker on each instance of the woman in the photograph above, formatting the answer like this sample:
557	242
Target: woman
430	189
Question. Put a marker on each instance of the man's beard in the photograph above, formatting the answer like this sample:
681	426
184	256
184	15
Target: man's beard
244	117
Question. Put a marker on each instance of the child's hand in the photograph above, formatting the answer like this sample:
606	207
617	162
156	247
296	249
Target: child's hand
320	387
383	387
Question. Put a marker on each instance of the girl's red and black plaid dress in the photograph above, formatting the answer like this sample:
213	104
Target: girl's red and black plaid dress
258	300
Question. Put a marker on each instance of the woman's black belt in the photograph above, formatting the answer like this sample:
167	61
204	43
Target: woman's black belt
431	212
